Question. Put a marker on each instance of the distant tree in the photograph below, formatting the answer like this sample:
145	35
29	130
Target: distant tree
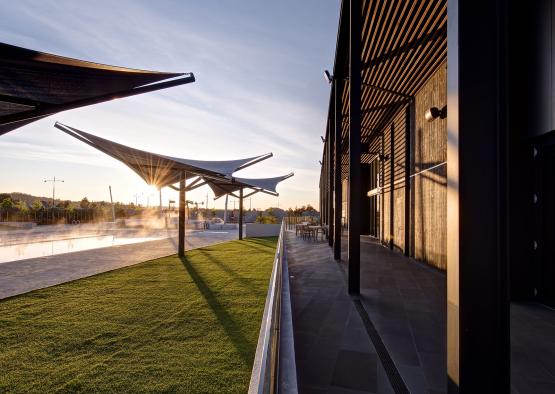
3	196
64	204
22	206
121	212
84	203
265	219
309	208
6	205
36	205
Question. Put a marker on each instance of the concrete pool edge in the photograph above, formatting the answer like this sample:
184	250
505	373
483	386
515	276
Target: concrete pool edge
20	281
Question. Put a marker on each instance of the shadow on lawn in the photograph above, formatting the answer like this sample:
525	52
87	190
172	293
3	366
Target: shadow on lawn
260	245
245	347
245	282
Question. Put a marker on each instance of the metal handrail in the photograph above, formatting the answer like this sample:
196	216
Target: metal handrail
264	377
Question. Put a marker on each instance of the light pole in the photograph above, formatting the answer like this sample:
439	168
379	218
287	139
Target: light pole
137	195
53	180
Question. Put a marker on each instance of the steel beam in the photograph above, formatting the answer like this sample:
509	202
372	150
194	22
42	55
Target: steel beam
355	184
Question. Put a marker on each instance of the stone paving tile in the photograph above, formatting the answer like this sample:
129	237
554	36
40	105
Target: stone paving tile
22	276
533	348
406	307
356	371
333	351
406	301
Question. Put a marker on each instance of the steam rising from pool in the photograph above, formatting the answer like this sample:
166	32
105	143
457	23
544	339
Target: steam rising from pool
17	243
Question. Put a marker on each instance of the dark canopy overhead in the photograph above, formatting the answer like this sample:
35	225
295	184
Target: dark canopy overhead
35	84
160	170
403	44
229	186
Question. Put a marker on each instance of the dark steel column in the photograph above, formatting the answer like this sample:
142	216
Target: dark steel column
478	340
408	131
321	207
241	213
181	230
331	139
355	45
325	190
382	188
392	187
338	188
325	183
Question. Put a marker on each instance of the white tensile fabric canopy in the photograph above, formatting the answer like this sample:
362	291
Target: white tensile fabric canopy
265	185
35	84
161	170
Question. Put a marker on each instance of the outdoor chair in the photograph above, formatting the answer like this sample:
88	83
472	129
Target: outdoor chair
306	232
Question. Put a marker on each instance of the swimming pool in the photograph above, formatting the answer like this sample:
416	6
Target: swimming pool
29	250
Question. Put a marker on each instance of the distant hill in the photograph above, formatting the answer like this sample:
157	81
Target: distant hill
28	198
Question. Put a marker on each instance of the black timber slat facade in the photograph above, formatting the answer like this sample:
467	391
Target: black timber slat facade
404	47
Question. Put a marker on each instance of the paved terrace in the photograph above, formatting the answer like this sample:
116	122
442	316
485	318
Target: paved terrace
343	348
21	276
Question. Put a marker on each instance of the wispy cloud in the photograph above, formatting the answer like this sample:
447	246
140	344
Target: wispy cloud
258	89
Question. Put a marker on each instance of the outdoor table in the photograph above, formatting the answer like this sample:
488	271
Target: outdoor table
316	230
299	227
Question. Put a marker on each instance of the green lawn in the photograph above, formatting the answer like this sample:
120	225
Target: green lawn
167	325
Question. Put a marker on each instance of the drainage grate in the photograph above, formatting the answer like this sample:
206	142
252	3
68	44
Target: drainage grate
393	374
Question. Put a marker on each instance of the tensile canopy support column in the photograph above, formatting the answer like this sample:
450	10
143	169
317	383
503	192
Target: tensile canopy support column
241	213
181	229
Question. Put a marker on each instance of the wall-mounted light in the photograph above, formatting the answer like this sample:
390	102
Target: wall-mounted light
434	113
323	139
328	76
380	156
320	161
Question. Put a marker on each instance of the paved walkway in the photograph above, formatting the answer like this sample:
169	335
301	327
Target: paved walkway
22	276
334	353
405	303
532	349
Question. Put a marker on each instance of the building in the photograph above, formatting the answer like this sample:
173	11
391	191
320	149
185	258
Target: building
440	144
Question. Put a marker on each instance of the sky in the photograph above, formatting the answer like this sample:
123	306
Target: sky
259	88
